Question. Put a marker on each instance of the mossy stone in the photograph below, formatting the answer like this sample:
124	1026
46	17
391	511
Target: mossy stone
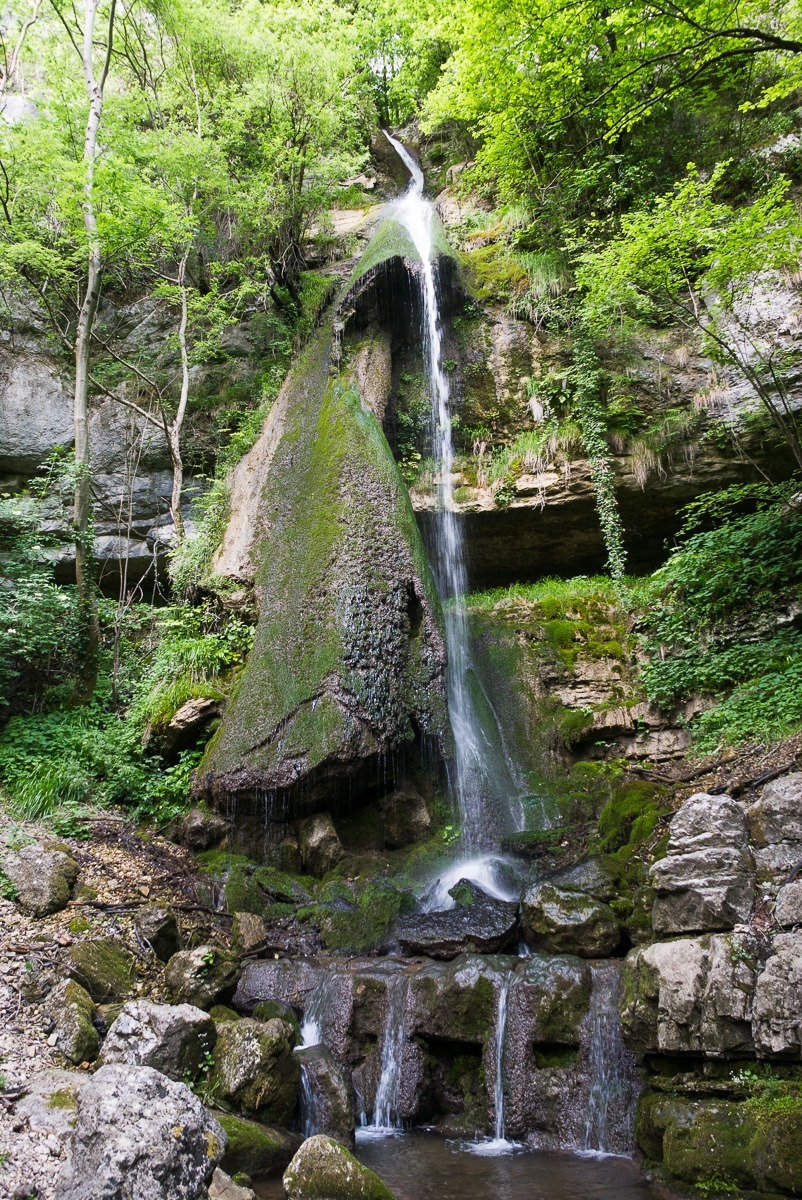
255	1069
253	1148
222	1013
241	893
269	1010
71	1008
324	1170
105	968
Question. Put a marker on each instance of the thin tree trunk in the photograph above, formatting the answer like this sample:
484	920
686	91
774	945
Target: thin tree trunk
174	428
83	339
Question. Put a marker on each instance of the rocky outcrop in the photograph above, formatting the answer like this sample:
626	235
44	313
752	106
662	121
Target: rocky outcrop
564	921
707	879
202	977
176	1039
348	660
775	827
324	1170
43	878
139	1136
319	845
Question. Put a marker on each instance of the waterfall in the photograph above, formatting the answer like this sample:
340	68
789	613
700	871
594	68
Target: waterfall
608	1125
501	1030
312	1035
385	1108
472	748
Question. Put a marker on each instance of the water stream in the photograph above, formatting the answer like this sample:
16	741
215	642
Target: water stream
612	1083
472	747
312	1035
385	1108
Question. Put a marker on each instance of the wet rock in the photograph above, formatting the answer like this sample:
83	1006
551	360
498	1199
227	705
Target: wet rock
568	922
176	1039
204	976
199	829
778	1000
327	1095
255	1149
788	907
247	933
255	1069
158	926
690	995
43	878
290	980
478	924
71	1009
139	1136
223	1187
706	881
405	818
105	968
50	1103
775	827
589	876
324	1170
321	849
456	1000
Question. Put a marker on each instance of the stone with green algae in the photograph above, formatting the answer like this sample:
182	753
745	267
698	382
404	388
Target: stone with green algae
563	921
104	967
254	1148
255	1070
324	1170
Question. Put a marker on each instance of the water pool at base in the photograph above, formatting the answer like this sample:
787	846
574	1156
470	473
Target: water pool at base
417	1166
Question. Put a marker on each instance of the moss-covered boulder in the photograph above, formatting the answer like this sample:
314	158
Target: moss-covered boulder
271	1010
255	1149
255	1069
324	1170
204	976
105	968
457	1000
348	663
568	922
71	1009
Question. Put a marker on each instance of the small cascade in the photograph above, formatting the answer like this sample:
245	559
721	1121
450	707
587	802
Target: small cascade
473	749
312	1035
501	1030
608	1125
385	1108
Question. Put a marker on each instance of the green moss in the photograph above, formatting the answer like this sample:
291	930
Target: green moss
377	907
241	893
103	967
549	1056
253	1148
221	1012
79	925
63	1098
493	276
630	817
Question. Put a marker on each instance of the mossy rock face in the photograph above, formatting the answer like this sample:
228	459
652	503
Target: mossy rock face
348	662
71	1008
365	926
104	967
255	1069
269	1010
568	922
457	1000
255	1149
204	976
324	1170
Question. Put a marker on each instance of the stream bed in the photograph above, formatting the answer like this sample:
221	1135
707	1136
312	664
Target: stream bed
419	1166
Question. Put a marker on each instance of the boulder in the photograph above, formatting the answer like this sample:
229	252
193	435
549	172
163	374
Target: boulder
255	1149
567	922
139	1136
405	818
590	875
478	924
199	829
188	725
456	1000
255	1069
788	907
324	1170
247	933
223	1187
50	1103
176	1039
43	878
778	1000
158	926
328	1107
104	967
321	849
707	879
775	827
204	976
71	1009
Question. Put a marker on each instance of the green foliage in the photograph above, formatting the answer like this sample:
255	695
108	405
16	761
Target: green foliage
630	816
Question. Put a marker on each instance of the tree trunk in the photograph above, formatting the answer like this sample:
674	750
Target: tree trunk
83	341
174	428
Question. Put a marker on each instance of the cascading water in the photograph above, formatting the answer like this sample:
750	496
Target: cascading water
472	748
312	1035
385	1108
498	1144
608	1125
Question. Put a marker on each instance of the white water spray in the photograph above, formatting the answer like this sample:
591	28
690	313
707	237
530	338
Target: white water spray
385	1108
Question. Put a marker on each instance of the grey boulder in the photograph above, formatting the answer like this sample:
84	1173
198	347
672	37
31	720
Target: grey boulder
321	848
775	827
139	1136
324	1170
176	1039
71	1009
329	1108
44	878
562	921
204	976
158	926
478	924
